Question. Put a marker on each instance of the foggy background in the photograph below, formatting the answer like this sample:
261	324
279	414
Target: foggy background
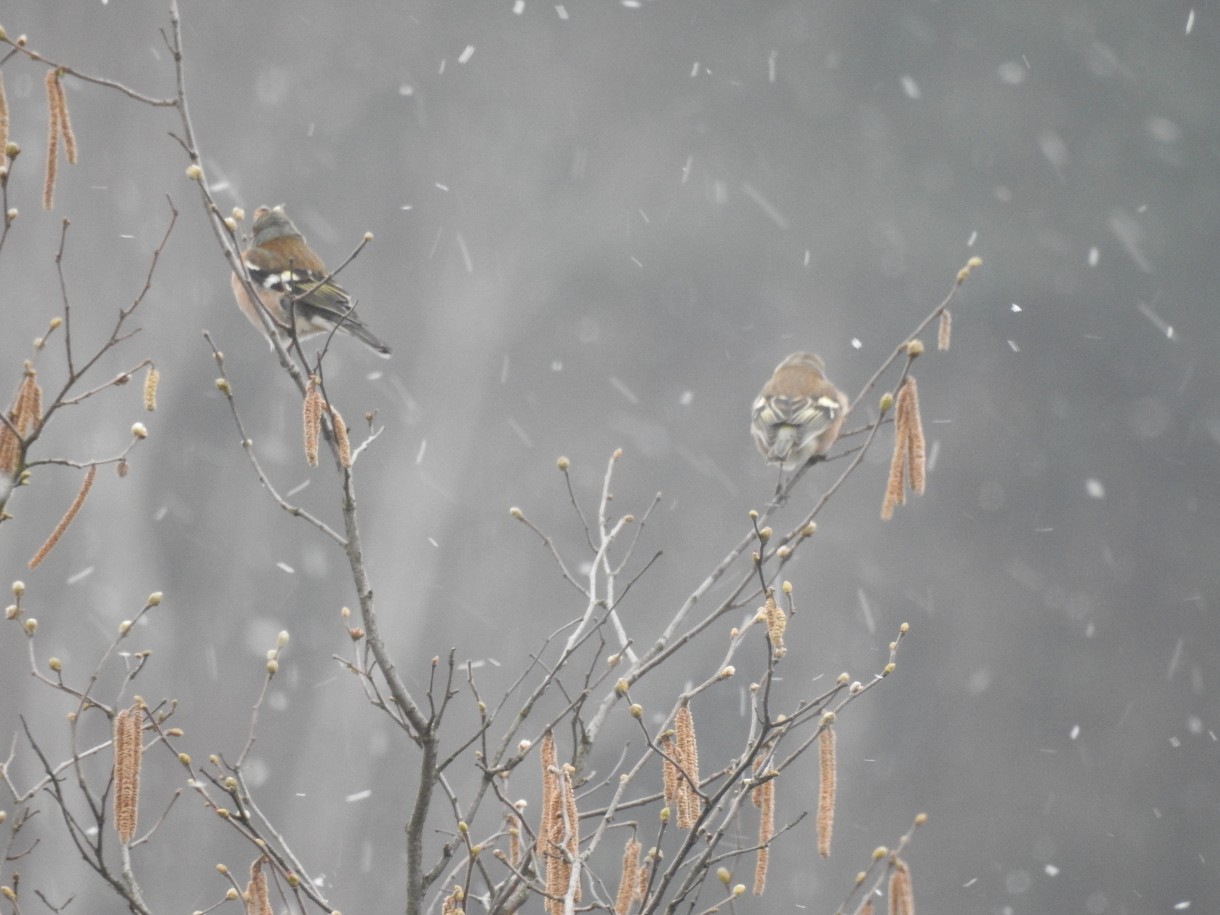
602	226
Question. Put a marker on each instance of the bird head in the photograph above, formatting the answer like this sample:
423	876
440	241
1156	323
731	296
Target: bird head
272	222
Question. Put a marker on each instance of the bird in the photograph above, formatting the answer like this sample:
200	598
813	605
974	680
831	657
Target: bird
286	272
798	414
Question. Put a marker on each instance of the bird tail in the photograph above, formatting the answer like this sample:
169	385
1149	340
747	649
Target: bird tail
352	325
787	440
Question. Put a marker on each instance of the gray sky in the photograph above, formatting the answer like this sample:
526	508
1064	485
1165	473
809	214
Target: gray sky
601	226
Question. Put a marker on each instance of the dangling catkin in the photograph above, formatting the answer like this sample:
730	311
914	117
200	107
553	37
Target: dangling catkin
902	901
826	791
670	775
895	484
550	809
690	804
341	439
908	464
3	123
558	870
313	422
766	831
777	622
514	840
66	520
25	415
10	450
53	127
629	880
258	899
29	402
915	443
128	751
151	380
65	122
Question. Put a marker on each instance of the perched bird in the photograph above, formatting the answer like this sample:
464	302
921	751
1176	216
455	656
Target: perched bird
798	413
284	267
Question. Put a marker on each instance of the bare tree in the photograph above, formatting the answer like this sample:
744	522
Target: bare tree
608	842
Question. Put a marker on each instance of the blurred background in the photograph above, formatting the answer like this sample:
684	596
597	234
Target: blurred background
601	225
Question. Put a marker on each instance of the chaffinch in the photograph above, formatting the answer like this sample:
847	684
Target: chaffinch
283	266
798	413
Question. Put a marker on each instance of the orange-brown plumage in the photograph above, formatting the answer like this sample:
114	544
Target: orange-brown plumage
285	272
798	414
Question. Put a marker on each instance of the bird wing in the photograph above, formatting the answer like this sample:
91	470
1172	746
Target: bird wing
815	413
327	299
784	425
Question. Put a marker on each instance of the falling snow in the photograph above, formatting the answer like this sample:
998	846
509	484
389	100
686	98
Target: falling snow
1131	236
80	576
765	205
631	207
621	386
1157	321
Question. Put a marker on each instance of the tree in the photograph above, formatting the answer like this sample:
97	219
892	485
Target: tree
659	831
